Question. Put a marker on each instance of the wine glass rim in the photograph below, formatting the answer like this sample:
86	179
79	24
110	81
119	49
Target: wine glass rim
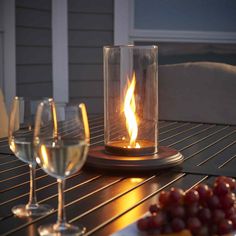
131	46
68	104
31	98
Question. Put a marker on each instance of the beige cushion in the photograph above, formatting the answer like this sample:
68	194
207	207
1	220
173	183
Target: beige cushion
198	91
3	117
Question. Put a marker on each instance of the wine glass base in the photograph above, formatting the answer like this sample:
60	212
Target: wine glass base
36	210
61	230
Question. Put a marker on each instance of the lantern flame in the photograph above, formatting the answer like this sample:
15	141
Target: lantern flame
129	110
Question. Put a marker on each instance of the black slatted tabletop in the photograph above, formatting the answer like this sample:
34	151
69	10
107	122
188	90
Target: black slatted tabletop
105	202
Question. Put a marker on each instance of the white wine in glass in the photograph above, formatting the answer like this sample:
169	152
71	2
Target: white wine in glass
61	138
21	140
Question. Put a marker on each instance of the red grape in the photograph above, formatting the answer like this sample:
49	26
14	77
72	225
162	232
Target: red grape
204	214
230	181
191	197
177	224
158	220
204	192
150	222
227	200
233	219
220	179
213	229
164	198
177	211
192	210
214	202
176	196
221	188
143	224
194	224
225	227
204	231
166	229
230	212
217	215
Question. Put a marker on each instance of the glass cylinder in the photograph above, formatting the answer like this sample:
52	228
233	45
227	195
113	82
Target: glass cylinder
131	100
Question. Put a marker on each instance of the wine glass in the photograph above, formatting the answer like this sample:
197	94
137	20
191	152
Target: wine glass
21	143
61	139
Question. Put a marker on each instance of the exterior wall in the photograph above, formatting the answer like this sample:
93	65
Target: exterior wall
33	48
90	28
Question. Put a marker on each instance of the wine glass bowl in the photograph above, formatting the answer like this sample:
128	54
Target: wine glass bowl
68	154
21	141
61	139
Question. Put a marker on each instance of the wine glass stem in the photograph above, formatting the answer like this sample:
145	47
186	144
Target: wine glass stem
61	218
32	198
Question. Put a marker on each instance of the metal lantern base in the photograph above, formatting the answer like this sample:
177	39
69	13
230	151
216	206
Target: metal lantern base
166	157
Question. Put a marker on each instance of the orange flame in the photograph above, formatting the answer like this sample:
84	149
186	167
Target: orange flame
129	110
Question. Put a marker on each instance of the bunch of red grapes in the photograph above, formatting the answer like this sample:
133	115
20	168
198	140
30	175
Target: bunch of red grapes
202	210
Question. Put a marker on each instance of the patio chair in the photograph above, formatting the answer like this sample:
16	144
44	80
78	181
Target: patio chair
198	92
3	117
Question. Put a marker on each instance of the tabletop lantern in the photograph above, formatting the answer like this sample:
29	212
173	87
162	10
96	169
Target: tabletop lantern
131	100
131	112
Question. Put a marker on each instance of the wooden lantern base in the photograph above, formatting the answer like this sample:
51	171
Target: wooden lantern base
166	157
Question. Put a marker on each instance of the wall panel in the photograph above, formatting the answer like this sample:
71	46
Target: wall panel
33	48
90	28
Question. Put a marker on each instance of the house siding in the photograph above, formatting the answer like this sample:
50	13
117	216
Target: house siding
33	48
90	28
